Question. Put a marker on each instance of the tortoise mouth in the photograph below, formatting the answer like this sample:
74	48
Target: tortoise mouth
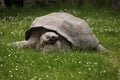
53	41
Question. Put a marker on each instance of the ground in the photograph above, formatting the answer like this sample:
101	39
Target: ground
31	64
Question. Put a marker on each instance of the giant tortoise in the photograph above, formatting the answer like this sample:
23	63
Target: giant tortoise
60	32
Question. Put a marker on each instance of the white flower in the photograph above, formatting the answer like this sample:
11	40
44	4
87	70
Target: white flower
79	62
79	72
89	68
11	75
71	75
47	76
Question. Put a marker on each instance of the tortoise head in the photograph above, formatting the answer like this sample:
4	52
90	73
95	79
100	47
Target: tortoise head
48	38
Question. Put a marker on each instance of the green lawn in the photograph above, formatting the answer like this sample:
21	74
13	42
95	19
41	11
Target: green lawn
32	64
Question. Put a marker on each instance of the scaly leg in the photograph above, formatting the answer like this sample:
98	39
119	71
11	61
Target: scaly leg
20	44
25	43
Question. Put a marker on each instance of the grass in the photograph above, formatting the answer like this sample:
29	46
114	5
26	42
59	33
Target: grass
31	64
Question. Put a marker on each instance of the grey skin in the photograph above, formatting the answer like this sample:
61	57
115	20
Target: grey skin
61	32
48	42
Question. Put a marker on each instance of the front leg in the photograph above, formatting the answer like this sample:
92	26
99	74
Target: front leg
25	43
20	44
